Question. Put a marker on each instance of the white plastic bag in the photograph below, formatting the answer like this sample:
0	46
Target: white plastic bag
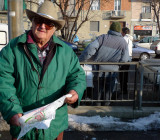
89	74
40	118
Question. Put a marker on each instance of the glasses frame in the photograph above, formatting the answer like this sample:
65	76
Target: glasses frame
48	24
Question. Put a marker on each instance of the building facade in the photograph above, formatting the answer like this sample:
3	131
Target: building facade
102	14
134	14
143	21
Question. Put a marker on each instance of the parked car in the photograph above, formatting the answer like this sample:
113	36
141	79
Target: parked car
142	53
156	47
4	35
146	41
137	51
72	45
86	42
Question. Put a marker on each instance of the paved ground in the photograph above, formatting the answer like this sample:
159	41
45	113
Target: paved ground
112	135
122	112
103	135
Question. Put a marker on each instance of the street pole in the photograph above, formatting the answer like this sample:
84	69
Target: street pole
15	18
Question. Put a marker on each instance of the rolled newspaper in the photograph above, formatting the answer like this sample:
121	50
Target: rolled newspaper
40	118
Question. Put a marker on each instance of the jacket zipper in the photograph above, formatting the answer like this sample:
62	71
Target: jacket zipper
33	67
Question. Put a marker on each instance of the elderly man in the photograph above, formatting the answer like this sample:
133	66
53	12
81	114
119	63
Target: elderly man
37	68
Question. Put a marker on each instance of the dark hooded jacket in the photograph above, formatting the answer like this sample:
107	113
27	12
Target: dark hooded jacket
109	47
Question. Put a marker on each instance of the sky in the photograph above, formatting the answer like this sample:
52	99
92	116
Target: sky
151	122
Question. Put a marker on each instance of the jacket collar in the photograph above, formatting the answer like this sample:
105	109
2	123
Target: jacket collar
114	33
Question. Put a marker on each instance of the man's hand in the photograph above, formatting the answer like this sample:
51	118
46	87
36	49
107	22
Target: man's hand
73	99
14	119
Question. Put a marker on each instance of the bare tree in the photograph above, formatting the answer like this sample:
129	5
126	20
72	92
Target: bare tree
76	12
155	4
73	11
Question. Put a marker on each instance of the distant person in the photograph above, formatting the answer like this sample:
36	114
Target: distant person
36	69
124	75
109	47
129	39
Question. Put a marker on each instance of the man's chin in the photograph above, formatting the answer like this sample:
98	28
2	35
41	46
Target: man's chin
40	37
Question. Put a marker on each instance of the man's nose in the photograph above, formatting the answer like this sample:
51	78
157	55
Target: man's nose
42	25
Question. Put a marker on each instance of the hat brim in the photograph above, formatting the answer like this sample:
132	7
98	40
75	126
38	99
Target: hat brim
59	23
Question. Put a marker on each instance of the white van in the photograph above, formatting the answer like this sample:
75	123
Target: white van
3	35
146	42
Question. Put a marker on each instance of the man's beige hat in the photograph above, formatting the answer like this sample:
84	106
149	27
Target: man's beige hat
46	10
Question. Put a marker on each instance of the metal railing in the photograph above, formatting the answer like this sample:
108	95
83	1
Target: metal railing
138	91
150	82
114	14
146	15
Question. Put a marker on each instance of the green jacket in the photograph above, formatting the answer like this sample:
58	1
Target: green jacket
22	90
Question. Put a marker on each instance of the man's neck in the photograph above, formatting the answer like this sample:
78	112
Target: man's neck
41	43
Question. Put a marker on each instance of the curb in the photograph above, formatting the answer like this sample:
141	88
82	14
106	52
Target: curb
114	111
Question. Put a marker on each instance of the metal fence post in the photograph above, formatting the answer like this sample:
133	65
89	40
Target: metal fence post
158	81
135	86
141	88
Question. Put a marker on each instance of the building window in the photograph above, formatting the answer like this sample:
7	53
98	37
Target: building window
94	26
146	9
95	4
117	5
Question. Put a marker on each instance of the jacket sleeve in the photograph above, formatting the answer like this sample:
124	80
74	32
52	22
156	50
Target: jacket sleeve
76	79
125	53
89	51
9	102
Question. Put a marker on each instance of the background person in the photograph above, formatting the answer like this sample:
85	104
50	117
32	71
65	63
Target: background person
37	68
129	39
109	47
124	75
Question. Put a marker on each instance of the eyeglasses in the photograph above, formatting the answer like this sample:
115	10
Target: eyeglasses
48	24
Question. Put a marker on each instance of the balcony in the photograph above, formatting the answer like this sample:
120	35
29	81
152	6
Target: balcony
114	14
146	15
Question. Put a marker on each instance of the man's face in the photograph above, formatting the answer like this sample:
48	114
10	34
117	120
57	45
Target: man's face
42	29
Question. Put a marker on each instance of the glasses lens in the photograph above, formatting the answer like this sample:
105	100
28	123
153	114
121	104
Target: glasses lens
48	25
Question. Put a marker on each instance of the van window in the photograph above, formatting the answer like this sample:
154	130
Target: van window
3	38
145	40
154	39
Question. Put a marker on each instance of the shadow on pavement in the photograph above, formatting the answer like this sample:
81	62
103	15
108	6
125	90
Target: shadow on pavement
112	135
102	135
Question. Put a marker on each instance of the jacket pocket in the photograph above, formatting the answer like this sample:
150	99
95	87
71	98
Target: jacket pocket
13	100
